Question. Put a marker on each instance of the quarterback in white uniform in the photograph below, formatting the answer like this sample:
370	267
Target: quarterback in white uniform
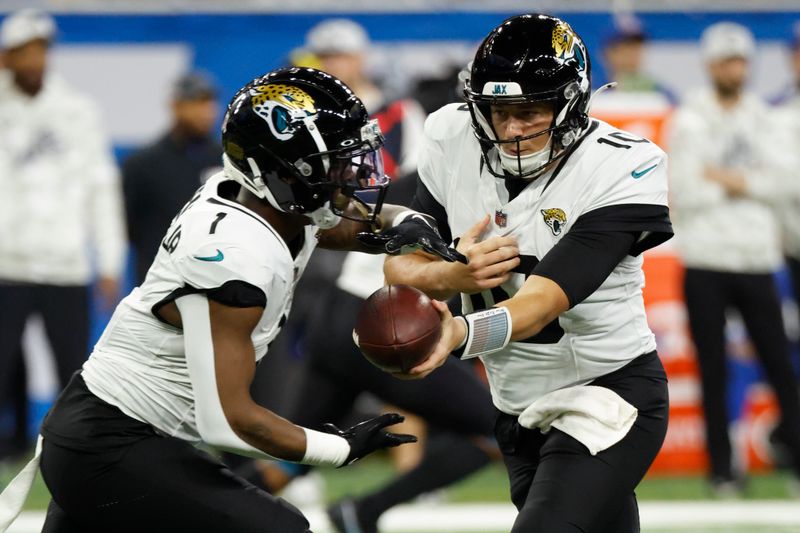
553	210
174	366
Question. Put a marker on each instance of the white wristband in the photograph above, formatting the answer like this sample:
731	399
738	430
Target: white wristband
487	331
325	449
466	330
402	216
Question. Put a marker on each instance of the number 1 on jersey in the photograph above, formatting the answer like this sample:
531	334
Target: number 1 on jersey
213	228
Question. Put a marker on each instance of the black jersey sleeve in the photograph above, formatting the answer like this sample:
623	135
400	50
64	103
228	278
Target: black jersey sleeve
233	293
597	242
650	221
237	293
424	202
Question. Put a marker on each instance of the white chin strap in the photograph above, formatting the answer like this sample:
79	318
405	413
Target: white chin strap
513	163
255	186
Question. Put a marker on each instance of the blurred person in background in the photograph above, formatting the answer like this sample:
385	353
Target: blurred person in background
60	196
340	46
788	113
791	93
623	53
726	176
788	210
158	178
456	404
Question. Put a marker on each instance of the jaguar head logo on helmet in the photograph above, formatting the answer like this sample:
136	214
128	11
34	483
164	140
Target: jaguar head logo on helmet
300	139
535	68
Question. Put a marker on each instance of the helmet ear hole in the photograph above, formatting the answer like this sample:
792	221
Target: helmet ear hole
304	168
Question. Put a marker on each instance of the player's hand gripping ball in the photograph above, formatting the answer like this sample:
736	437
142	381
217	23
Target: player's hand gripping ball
397	328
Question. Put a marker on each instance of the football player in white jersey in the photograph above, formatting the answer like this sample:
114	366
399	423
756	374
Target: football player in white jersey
553	210
302	168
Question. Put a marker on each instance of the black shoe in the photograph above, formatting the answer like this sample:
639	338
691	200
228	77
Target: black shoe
779	447
728	488
344	517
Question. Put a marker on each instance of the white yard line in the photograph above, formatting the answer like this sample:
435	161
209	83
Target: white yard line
499	517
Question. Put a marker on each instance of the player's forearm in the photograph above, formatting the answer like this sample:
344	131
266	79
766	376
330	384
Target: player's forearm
538	303
270	433
426	274
226	416
261	433
280	438
343	235
522	316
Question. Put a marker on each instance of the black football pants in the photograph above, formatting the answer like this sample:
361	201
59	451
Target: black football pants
559	487
794	270
708	295
157	485
111	473
65	311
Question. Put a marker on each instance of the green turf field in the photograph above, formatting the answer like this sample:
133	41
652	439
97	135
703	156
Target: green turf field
489	485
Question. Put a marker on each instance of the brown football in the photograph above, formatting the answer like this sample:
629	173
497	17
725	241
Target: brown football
397	327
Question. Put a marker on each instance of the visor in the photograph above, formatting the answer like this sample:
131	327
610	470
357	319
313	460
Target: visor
355	172
360	179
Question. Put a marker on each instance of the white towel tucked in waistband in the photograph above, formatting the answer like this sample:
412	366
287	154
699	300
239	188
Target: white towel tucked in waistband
13	497
596	417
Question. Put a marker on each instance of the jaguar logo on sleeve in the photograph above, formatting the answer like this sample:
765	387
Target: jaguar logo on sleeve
555	218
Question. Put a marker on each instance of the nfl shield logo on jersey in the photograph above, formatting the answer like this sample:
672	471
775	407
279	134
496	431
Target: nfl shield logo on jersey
500	219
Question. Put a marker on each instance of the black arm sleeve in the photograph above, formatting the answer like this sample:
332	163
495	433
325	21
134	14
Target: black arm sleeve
597	242
424	202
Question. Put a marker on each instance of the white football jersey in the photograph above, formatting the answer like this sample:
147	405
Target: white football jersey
139	363
608	168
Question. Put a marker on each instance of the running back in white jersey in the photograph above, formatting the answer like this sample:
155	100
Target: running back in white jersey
609	170
139	364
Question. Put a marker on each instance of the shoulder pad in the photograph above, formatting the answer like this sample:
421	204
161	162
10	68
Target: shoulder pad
448	122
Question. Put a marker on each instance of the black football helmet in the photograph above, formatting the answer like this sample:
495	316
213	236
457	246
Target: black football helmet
526	59
301	139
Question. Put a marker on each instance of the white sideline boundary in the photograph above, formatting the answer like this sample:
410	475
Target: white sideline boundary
469	517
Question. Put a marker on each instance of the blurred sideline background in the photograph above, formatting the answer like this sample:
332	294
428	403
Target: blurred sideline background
126	55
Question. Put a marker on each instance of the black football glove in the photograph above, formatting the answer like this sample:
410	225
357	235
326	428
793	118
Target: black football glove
415	232
368	436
